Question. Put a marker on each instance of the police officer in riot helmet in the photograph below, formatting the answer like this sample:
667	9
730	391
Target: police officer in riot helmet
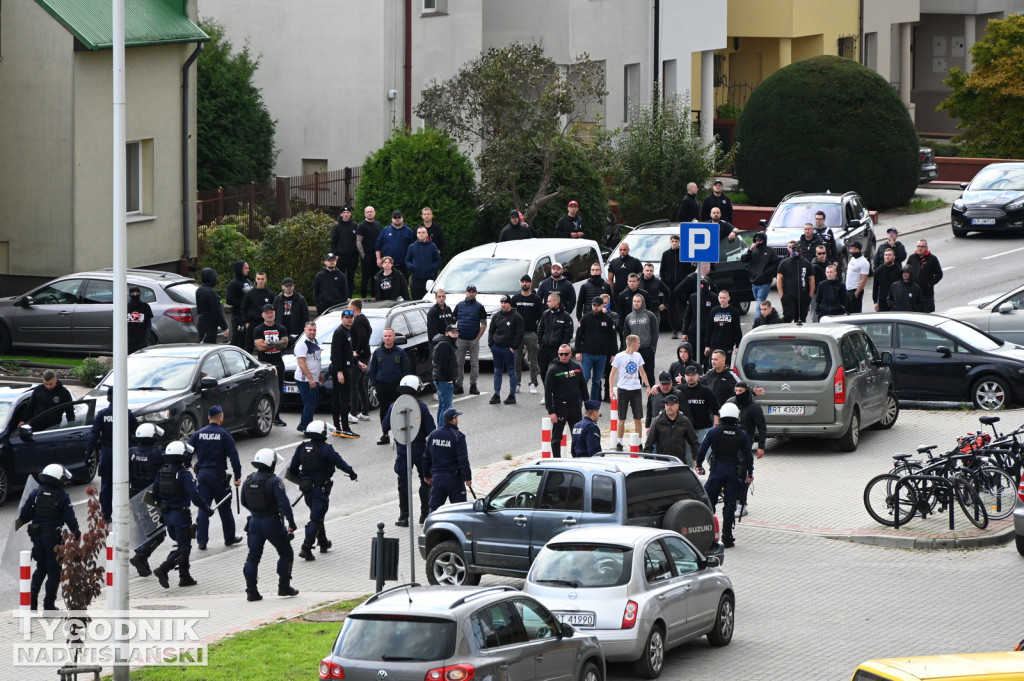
446	460
732	464
263	494
46	510
145	460
313	464
175	491
410	385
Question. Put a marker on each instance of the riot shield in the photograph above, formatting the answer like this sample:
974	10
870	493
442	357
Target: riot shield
17	540
146	520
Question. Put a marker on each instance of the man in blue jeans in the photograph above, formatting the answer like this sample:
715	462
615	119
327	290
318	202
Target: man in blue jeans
595	343
505	334
764	264
443	369
308	373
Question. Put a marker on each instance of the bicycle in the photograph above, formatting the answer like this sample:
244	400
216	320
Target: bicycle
935	485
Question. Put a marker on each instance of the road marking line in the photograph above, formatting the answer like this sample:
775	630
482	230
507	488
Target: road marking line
989	257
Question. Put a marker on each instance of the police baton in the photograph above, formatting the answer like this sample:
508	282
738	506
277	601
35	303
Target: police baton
221	502
238	501
471	490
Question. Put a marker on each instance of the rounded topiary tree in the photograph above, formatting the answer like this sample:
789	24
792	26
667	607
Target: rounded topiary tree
827	123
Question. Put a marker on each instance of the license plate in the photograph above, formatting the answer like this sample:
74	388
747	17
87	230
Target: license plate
786	410
983	221
577	619
291	388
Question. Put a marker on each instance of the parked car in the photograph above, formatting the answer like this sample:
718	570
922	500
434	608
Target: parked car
992	202
845	214
938	358
74	313
1001	314
458	634
650	240
961	667
173	386
25	450
408	319
502	532
819	380
929	170
639	590
1018	524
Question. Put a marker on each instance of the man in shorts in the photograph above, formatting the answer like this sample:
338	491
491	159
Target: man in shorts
629	383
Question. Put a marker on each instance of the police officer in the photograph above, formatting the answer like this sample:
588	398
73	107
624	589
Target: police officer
586	434
409	386
214	447
753	423
47	510
447	461
175	491
263	494
732	464
314	463
145	460
102	433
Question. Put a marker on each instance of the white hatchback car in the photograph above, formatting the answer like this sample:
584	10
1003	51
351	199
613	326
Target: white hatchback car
639	590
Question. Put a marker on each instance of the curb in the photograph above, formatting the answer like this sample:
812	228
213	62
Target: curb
927	543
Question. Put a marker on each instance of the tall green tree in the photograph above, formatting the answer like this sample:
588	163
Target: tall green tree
235	134
518	109
989	101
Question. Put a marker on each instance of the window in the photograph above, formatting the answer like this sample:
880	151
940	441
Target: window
399	325
656	564
68	415
847	47
786	360
849	357
314	165
536	620
583	565
213	367
863	349
435	7
881	334
496	626
602	494
99	292
683	557
236	362
541	272
518	491
417	322
563	491
668	78
650	493
133	177
372	637
630	89
576	263
871	51
64	292
917	338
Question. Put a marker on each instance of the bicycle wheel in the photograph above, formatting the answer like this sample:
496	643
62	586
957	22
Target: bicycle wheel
997	491
880	500
970	502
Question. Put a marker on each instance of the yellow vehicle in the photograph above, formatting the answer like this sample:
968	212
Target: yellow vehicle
1006	666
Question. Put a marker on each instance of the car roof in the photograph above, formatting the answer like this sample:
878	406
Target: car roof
618	535
608	462
136	275
11	393
180	349
836	329
820	197
436	601
656	227
526	249
923	318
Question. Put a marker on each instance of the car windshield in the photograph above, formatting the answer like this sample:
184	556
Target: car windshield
377	325
396	638
999	178
146	372
576	566
183	292
489	275
793	214
648	247
325	328
5	413
786	359
970	335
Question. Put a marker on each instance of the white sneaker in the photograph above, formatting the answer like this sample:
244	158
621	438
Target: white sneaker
543	401
533	389
353	417
364	417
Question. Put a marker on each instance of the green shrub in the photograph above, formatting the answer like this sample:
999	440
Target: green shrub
224	245
422	169
827	123
88	370
294	248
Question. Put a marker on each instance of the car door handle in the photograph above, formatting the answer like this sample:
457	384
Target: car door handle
75	436
568	522
503	668
540	658
901	356
520	520
63	313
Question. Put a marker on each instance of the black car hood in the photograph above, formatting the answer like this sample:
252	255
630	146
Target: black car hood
143	401
991	197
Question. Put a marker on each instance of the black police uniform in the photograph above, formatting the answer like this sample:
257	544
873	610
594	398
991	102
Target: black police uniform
144	463
314	462
586	438
419	443
175	491
263	494
102	433
214	447
47	510
447	460
733	463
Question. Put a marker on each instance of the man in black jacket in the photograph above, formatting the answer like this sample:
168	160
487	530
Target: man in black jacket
657	294
360	336
619	270
886	274
905	295
530	307
564	394
292	309
557	282
434	232
796	284
769	315
593	286
624	305
343	359
596	342
45	397
504	336
720	379
234	294
553	330
140	320
252	307
439	316
689	209
330	287
716	199
343	242
210	317
443	368
570	226
830	297
672	272
927	272
763	264
516	229
366	239
688	286
700	400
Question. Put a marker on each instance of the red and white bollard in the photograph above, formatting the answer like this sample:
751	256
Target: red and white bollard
614	409
565	438
110	576
26	590
634	443
545	438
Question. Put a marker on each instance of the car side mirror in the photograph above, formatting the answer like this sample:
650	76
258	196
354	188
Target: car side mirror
25	433
885	359
1005	308
207	383
944	351
763	223
26	301
963	185
401	340
430	285
480	505
853	224
712	561
566	630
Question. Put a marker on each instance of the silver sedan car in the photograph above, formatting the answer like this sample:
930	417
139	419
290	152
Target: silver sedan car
1018	519
1002	314
638	590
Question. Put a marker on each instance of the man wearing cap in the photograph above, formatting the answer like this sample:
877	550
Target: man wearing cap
656	398
558	283
471	318
446	460
857	270
210	317
619	270
716	199
586	434
671	432
530	307
443	368
898	249
886	274
366	239
308	373
214	449
434	231
564	394
422	260
253	303
140	320
762	265
394	240
343	243
516	229
330	287
701	403
388	365
689	209
291	308
595	343
271	340
102	434
504	336
344	370
570	226
390	283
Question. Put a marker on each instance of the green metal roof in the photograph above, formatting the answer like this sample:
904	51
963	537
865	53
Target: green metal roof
146	22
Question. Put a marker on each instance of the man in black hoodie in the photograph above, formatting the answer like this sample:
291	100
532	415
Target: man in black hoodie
343	242
886	274
366	240
530	307
252	307
516	229
140	320
769	315
763	264
330	286
596	342
292	309
592	287
443	367
672	272
234	294
209	310
557	282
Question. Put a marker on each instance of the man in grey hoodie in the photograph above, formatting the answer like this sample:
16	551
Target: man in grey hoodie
643	324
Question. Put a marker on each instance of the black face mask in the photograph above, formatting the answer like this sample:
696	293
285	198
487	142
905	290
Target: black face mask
743	398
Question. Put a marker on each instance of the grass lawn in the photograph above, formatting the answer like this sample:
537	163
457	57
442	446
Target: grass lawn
919	205
51	359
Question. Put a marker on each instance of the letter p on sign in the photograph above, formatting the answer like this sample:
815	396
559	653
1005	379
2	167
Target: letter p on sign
700	242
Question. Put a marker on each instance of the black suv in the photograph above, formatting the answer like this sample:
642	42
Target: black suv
845	214
503	532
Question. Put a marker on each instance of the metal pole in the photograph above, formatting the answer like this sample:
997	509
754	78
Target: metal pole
120	355
379	557
699	350
407	419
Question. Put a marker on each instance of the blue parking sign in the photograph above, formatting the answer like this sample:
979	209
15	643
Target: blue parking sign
698	242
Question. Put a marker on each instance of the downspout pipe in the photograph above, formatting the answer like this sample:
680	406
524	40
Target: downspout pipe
186	199
407	76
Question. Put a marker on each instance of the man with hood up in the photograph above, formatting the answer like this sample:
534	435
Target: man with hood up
233	296
677	370
209	310
516	229
140	320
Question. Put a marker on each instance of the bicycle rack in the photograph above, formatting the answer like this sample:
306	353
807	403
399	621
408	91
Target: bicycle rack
907	479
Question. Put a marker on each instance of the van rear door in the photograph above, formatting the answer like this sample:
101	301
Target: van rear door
796	374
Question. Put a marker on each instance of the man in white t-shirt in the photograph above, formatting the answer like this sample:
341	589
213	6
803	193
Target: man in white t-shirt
857	270
629	383
308	373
